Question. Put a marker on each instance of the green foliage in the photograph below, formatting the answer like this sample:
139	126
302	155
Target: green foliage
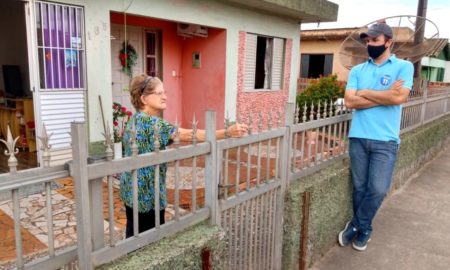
128	58
327	89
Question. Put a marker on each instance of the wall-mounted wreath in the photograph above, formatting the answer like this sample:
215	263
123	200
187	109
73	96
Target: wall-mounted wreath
128	58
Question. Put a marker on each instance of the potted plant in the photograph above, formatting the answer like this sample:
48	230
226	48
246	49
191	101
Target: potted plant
120	118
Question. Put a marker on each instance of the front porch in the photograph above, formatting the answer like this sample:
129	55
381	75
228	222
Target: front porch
190	59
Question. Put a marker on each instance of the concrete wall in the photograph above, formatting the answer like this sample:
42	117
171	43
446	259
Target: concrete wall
433	62
330	208
204	87
181	251
330	189
447	72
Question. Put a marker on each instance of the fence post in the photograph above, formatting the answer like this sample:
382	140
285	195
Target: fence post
46	157
80	178
284	164
446	108
96	198
424	86
211	167
97	222
290	112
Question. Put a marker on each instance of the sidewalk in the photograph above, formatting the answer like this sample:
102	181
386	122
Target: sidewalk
411	230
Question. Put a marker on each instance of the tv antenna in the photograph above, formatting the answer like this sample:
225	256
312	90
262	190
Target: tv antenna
353	50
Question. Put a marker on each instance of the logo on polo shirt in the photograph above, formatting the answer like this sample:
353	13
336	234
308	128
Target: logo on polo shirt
385	80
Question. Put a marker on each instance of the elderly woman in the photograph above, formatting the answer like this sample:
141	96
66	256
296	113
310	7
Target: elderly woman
149	100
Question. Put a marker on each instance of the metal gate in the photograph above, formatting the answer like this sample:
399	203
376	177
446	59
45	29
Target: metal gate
56	55
251	191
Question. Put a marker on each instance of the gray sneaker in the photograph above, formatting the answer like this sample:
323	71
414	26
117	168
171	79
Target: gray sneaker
361	241
347	235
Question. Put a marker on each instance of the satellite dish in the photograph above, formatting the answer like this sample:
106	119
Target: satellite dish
353	50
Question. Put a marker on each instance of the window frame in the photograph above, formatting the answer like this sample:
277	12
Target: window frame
157	55
305	64
60	42
275	80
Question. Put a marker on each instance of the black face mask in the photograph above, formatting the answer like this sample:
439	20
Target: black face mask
375	51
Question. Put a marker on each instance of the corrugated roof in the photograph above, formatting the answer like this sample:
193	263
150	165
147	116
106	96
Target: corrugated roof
403	39
400	33
337	33
438	44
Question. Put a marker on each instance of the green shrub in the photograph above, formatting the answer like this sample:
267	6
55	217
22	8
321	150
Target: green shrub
324	89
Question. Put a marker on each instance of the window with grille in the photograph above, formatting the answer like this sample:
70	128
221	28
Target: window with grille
264	57
60	42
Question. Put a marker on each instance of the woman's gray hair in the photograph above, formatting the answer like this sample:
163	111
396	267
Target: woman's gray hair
142	85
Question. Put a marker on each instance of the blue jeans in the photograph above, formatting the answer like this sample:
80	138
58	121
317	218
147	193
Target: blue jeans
372	165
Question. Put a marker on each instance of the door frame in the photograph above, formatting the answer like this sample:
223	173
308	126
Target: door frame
33	71
60	154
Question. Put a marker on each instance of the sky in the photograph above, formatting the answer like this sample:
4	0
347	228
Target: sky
356	13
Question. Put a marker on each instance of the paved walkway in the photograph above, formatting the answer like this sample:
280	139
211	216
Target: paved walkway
34	222
411	230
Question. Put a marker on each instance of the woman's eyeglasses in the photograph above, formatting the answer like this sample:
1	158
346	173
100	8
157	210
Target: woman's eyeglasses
158	93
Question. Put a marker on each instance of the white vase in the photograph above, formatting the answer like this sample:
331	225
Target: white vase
117	150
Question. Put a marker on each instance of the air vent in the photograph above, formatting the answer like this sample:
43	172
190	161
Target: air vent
190	30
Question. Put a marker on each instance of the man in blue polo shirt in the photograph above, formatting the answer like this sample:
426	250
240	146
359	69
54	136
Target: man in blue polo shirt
375	89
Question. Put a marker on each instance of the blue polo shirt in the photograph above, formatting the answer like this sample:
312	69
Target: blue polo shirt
381	122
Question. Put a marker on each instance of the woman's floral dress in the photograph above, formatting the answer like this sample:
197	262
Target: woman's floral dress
145	130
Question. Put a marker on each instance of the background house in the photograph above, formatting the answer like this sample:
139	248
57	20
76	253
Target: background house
320	53
235	57
436	64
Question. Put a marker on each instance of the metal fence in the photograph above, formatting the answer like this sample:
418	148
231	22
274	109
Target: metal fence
424	106
236	183
252	179
15	189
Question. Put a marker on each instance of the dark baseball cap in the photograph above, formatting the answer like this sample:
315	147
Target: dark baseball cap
377	29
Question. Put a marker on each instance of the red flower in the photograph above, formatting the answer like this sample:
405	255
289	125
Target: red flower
120	118
123	57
